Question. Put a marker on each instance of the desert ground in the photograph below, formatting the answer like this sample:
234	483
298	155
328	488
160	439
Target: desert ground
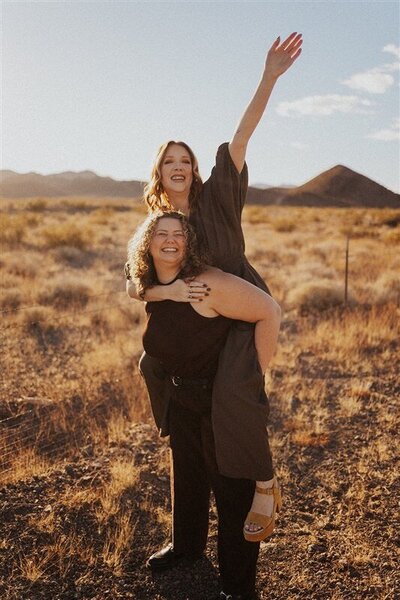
84	477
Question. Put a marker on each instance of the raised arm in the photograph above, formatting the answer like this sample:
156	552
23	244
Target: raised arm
238	299
279	58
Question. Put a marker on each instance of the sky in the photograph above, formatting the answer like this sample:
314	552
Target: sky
101	85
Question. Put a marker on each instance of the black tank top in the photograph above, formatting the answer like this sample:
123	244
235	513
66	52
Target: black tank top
185	342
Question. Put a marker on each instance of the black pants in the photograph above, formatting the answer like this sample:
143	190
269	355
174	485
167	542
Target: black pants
194	475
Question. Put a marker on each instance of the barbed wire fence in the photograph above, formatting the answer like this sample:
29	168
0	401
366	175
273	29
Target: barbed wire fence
28	429
24	431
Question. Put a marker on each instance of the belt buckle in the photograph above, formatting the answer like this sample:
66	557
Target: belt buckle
177	381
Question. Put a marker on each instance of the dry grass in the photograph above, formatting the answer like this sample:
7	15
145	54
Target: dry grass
65	292
353	337
33	568
317	295
37	204
285	224
118	543
29	464
69	355
66	234
12	229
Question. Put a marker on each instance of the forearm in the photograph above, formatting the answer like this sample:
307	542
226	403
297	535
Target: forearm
153	294
266	338
254	110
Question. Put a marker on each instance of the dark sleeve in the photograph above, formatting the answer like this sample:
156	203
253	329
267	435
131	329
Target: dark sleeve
219	213
228	186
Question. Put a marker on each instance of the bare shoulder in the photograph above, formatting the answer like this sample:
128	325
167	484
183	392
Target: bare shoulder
214	274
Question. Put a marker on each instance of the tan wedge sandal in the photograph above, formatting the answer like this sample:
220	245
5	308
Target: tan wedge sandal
267	523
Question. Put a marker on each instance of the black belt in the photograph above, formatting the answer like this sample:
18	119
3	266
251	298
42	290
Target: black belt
179	381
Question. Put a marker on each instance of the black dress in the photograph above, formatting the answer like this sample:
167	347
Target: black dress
240	406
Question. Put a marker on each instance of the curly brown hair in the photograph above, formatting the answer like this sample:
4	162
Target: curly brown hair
140	263
154	195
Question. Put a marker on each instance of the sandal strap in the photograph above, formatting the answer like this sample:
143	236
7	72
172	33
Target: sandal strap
268	491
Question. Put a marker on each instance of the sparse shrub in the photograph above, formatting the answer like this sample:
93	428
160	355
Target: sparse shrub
11	300
66	234
68	293
256	214
316	295
358	231
74	257
38	324
284	224
23	266
313	270
100	323
32	317
328	248
37	205
387	217
77	205
102	215
12	229
385	289
31	220
392	237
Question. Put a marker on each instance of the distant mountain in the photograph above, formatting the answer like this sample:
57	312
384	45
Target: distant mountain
68	183
265	186
338	186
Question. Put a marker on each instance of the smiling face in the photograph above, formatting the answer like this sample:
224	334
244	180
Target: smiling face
168	243
176	171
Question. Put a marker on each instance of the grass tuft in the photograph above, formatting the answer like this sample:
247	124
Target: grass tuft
66	234
316	295
67	293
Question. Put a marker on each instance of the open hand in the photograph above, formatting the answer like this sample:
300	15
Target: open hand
281	56
189	290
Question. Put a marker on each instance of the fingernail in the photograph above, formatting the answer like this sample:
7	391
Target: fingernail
206	294
208	289
201	299
204	285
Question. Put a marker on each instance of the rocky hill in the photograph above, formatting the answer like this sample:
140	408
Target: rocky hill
338	186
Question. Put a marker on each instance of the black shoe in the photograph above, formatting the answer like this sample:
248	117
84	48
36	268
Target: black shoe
224	596
167	558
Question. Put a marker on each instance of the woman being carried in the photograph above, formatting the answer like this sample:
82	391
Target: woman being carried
164	249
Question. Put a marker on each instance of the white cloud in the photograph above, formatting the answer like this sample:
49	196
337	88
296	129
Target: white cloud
390	67
324	105
387	135
376	80
392	49
373	81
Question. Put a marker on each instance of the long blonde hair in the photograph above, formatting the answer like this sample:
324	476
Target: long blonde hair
154	194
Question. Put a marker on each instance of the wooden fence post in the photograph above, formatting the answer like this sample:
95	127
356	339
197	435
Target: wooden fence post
346	274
